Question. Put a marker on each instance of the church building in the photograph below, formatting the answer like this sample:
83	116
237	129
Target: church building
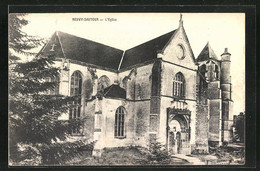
156	91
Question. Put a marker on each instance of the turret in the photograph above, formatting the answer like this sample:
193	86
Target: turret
225	77
227	103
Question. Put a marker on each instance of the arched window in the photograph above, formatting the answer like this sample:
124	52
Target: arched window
179	85
216	72
203	70
103	82
124	81
120	122
76	90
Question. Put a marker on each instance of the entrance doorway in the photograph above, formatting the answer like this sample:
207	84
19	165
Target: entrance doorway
178	135
174	137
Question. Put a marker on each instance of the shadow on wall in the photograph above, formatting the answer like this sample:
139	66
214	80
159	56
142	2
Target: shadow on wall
141	123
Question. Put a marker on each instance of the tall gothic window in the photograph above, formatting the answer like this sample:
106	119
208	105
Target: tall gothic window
76	90
179	85
120	122
55	90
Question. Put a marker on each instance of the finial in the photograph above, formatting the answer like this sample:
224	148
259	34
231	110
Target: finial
180	22
226	50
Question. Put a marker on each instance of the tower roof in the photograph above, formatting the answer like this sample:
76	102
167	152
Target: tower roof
206	54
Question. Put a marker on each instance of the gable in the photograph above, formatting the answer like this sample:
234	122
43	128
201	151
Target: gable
172	51
53	46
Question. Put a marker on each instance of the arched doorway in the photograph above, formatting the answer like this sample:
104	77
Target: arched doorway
178	135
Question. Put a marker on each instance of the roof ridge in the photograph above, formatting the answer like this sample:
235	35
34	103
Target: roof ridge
60	44
90	40
120	63
212	53
151	40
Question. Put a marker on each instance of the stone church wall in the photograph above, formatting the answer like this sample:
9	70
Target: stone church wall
109	107
168	74
142	111
215	110
88	131
202	126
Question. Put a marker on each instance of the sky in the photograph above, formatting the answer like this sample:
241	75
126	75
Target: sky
126	30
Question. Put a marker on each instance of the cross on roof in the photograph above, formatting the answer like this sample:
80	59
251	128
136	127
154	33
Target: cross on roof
52	47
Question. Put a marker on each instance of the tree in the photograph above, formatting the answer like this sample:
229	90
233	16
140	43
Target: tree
35	132
20	43
155	154
240	126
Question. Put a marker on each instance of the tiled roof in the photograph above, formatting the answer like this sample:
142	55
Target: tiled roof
146	51
115	91
72	47
206	54
83	50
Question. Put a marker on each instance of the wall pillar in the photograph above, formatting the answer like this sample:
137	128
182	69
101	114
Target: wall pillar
97	151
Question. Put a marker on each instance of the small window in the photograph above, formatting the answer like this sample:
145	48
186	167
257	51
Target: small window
216	72
179	85
120	122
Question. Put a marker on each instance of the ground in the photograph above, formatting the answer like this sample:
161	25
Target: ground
123	156
228	155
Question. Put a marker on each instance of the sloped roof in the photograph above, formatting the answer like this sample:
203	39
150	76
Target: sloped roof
72	47
146	51
115	91
206	54
76	48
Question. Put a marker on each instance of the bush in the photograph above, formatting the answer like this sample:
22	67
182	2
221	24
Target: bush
28	156
157	154
225	144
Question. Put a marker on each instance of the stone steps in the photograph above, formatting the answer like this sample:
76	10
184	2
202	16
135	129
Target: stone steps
191	160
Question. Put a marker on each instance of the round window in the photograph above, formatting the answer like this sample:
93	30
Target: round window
180	52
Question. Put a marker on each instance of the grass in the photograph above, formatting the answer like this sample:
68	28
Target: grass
122	156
